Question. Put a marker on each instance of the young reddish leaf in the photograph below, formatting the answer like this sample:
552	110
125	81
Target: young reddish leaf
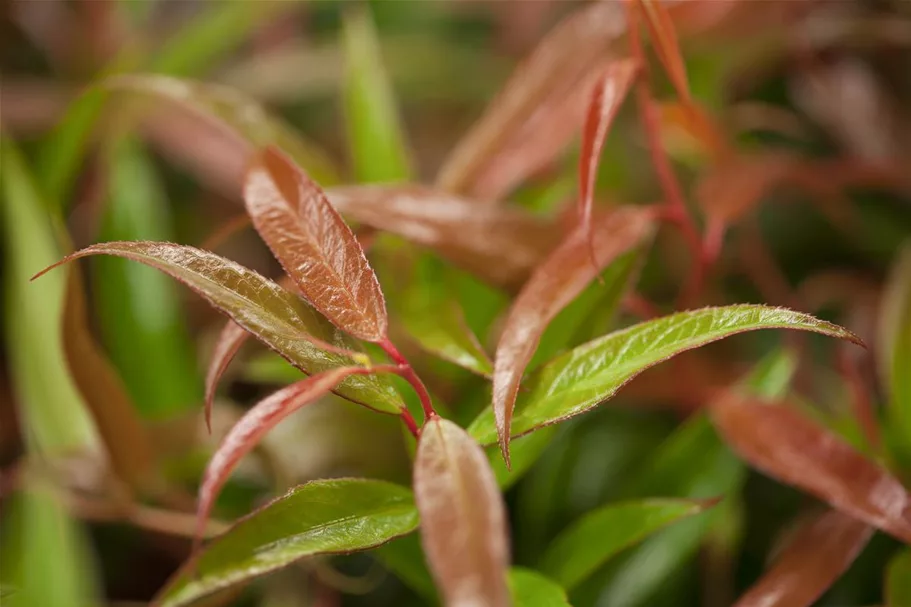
276	317
314	245
818	553
500	245
609	92
231	338
555	283
247	432
463	517
785	445
664	35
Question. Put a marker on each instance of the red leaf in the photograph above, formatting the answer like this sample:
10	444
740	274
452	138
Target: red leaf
247	432
818	553
610	90
314	245
787	446
229	341
664	36
554	284
463	517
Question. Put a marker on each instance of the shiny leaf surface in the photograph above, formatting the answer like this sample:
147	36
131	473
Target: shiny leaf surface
321	517
463	517
554	284
592	373
532	589
314	245
259	305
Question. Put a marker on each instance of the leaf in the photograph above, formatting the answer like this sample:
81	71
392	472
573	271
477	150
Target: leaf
499	245
894	341
531	589
818	553
783	444
314	245
592	373
898	579
664	36
229	341
463	517
592	540
259	305
320	517
608	94
403	557
246	121
554	284
255	423
524	453
375	135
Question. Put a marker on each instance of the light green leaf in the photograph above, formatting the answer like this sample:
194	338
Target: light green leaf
592	373
898	580
532	589
375	137
895	351
591	541
321	517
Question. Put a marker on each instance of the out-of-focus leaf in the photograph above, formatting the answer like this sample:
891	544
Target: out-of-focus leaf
255	423
532	589
592	373
404	557
375	135
894	341
818	553
463	517
609	93
138	308
272	314
55	421
229	341
554	284
314	245
591	541
321	517
556	65
898	580
787	446
499	245
433	318
523	454
41	543
242	118
664	36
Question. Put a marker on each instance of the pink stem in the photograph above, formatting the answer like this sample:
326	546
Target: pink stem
406	371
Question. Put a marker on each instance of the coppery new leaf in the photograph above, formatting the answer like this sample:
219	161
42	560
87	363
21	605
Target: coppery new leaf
229	341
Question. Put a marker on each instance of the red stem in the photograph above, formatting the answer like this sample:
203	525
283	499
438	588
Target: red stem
406	371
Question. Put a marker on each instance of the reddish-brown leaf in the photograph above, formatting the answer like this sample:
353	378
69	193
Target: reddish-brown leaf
554	284
231	338
247	432
463	517
500	245
314	245
785	445
817	554
664	36
608	94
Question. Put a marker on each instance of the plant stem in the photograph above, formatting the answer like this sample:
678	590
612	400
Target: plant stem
406	371
410	423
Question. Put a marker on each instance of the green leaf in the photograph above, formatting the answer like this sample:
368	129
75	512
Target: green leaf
375	136
138	308
532	589
524	452
321	517
405	558
898	579
895	351
592	373
591	541
55	421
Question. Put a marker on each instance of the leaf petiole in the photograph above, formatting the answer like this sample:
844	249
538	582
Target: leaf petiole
406	372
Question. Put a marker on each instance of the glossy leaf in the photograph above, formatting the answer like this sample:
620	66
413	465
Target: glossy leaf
898	579
894	341
608	94
499	245
463	517
532	589
321	517
589	542
259	305
554	284
818	553
375	133
314	245
789	447
592	373
251	428
229	341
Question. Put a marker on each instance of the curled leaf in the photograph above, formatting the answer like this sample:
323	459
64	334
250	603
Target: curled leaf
229	341
463	517
818	553
314	245
785	445
554	284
